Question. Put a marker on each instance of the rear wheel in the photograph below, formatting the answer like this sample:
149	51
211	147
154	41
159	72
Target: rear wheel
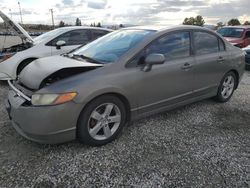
226	88
101	121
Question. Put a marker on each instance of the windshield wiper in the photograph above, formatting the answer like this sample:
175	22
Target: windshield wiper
87	58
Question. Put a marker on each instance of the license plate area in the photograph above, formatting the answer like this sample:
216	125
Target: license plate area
15	100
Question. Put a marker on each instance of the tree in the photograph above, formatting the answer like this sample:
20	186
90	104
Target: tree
121	25
198	20
246	23
234	21
78	22
98	24
219	25
61	24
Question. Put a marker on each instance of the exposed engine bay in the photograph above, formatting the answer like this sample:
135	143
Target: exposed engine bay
16	48
64	73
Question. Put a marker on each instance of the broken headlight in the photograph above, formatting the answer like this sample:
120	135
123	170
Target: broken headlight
4	57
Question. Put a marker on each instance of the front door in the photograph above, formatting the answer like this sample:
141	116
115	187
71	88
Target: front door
170	82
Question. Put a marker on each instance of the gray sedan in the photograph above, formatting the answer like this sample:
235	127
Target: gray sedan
132	73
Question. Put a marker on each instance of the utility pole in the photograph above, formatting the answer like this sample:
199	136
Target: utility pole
10	13
52	17
20	12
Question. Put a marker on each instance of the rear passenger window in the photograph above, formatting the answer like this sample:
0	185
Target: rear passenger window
205	43
176	45
98	33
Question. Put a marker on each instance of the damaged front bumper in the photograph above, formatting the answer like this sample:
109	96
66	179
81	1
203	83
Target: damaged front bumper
43	124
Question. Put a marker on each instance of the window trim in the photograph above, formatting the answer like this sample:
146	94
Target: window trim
88	33
211	33
245	35
130	65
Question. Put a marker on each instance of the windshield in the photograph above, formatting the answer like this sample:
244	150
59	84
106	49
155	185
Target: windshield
231	32
44	36
111	47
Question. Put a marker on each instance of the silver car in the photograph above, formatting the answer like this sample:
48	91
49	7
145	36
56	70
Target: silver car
132	73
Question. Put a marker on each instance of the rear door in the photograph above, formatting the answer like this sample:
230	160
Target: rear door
73	39
211	57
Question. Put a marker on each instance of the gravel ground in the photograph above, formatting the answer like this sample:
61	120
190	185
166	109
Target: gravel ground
205	144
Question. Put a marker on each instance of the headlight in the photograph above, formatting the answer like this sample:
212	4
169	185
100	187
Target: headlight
4	57
52	99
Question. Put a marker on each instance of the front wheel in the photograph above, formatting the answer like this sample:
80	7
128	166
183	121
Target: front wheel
226	88
101	121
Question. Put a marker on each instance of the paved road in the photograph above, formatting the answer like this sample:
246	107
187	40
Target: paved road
205	144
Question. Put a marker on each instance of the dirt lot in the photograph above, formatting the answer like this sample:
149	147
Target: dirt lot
205	144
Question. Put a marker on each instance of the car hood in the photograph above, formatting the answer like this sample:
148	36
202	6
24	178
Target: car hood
16	28
33	75
233	40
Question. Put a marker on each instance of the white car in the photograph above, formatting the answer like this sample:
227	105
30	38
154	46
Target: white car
13	59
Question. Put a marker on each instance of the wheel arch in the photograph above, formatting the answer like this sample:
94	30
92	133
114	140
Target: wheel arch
237	77
22	64
120	96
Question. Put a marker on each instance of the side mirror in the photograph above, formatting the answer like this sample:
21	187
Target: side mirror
59	44
153	59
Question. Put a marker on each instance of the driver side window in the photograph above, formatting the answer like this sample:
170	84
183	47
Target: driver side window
172	46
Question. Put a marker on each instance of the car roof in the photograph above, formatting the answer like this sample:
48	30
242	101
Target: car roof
238	26
69	28
164	28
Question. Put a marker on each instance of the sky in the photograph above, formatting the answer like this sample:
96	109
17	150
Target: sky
135	12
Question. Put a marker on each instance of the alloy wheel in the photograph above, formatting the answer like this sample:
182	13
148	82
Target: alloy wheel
104	121
228	87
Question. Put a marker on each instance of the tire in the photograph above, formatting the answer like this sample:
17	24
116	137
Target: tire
226	88
95	127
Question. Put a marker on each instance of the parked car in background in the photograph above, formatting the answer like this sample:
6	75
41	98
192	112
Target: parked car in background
238	36
247	50
55	42
131	73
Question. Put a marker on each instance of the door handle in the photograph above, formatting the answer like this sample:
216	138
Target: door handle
220	60
186	66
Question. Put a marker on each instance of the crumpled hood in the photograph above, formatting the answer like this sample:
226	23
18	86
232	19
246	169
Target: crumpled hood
33	74
16	28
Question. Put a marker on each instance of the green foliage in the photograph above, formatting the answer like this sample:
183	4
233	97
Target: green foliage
61	24
98	24
78	22
219	25
234	21
246	23
198	20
